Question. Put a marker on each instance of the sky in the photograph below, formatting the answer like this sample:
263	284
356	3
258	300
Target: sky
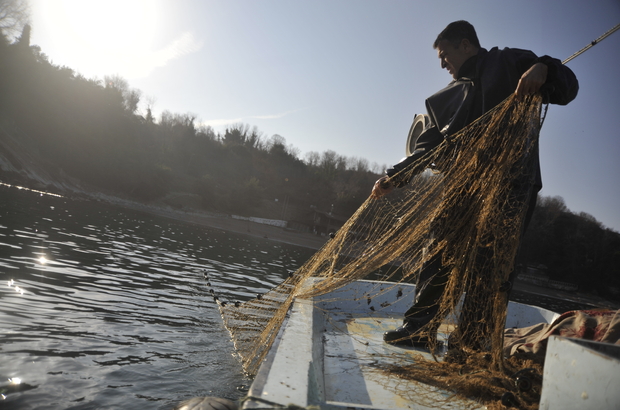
347	75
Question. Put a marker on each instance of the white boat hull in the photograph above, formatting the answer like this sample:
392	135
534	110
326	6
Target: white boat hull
330	351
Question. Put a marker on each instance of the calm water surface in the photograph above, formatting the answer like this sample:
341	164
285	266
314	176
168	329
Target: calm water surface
106	308
102	307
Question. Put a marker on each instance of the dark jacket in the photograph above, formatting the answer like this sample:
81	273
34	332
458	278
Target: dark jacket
484	81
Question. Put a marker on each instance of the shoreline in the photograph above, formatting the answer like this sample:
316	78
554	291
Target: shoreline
228	224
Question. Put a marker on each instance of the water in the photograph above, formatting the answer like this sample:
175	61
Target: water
106	308
102	307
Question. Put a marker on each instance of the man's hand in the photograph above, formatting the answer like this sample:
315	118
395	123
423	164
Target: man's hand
532	80
383	186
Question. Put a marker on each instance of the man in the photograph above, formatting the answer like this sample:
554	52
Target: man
481	80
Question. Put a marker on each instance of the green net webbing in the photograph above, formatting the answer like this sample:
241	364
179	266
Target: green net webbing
464	206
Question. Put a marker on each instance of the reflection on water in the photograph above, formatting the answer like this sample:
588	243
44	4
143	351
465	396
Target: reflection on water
102	307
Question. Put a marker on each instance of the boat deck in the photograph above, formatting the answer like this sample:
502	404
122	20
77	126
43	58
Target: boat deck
355	359
331	353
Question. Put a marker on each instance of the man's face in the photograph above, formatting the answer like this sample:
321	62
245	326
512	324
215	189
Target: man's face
452	58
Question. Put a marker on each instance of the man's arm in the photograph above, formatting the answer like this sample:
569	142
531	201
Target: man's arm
382	187
561	84
531	81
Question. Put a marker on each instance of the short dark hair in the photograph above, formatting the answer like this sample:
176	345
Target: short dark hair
457	31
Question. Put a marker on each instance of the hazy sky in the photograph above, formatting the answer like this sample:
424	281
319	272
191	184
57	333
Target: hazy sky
347	75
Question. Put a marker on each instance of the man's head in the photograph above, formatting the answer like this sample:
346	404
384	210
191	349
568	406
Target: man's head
455	45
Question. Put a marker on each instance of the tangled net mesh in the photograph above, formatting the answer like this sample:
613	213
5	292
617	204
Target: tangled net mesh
464	205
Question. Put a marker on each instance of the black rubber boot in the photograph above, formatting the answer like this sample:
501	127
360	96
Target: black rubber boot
414	331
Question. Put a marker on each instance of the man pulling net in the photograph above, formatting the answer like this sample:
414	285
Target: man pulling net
481	80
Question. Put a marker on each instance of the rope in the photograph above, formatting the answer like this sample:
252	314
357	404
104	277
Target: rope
593	43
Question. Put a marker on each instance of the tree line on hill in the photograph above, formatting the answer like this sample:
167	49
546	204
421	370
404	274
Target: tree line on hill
91	130
573	247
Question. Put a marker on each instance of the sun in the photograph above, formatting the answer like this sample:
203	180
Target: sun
99	35
111	25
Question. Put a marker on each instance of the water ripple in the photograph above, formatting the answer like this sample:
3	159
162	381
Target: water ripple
113	310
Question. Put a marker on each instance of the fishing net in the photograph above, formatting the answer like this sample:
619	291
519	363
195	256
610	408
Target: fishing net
463	209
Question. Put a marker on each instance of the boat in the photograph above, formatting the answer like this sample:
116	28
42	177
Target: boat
329	351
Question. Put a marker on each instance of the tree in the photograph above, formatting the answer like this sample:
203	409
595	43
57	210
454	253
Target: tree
236	134
277	144
14	15
358	164
312	159
331	163
130	97
242	134
150	102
